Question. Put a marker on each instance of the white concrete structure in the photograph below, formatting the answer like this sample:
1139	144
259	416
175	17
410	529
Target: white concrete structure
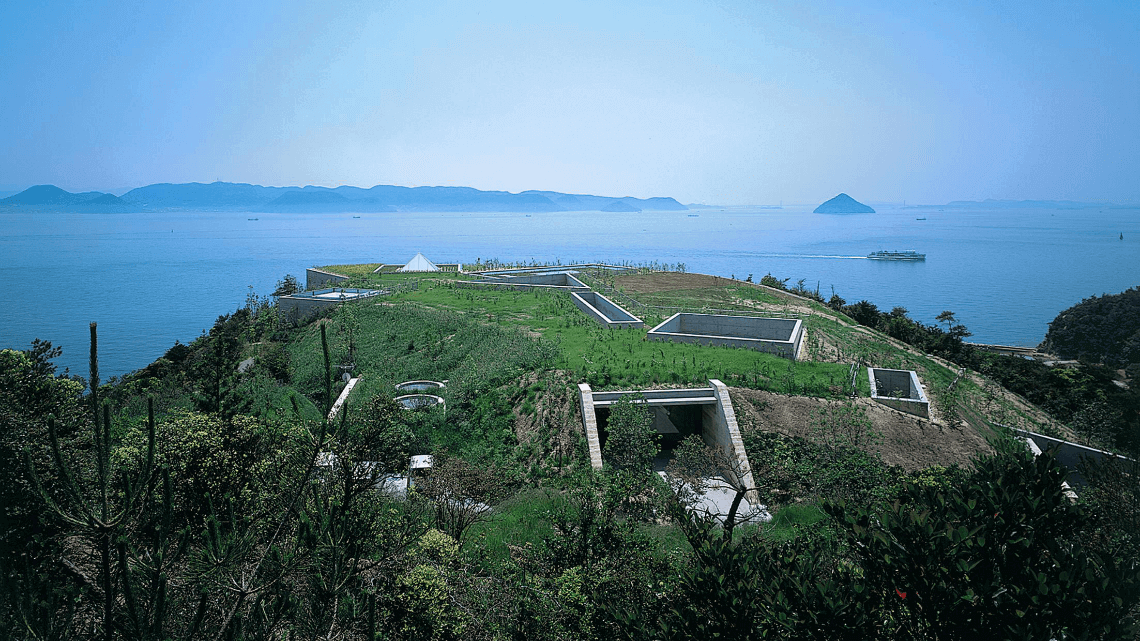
900	389
298	307
419	386
342	398
1070	455
419	263
711	407
779	336
555	281
315	278
605	311
421	401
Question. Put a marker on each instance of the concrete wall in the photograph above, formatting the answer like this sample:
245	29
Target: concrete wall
549	269
421	401
524	287
721	430
697	396
718	423
769	329
895	383
590	425
419	386
604	310
1069	454
780	336
299	307
315	278
343	397
887	382
558	279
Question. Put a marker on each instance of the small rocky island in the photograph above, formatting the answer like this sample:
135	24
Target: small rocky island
843	204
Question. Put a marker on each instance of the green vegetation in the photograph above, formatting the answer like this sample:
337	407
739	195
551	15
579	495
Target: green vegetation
206	496
615	358
363	270
1099	330
1102	329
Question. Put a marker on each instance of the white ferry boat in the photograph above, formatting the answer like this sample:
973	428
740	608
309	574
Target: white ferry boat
906	254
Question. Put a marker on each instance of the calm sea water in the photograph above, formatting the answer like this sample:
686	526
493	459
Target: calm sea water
149	279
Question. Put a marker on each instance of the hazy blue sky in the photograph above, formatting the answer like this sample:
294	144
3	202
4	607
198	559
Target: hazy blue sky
718	102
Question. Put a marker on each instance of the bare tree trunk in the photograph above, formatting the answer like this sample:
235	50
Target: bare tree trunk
730	519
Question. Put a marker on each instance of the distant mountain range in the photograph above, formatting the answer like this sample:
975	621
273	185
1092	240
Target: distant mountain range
990	203
222	196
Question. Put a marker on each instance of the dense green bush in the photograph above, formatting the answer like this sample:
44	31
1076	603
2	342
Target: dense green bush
631	442
1101	329
998	555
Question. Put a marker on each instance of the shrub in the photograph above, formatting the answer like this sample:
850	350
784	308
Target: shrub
631	443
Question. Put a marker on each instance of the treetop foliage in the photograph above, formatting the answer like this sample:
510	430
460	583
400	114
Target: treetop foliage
1101	329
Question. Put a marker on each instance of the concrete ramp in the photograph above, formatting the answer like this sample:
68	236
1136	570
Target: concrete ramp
604	310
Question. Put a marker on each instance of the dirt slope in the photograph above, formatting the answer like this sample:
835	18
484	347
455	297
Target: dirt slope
903	440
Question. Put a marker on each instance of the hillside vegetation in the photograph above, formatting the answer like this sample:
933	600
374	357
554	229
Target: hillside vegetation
205	496
1102	329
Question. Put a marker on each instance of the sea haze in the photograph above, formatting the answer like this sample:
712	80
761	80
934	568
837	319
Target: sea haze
151	278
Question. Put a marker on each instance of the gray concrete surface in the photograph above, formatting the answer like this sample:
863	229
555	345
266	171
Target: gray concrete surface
419	386
899	389
779	336
315	278
421	401
298	307
716	502
1069	454
605	311
554	281
718	426
340	400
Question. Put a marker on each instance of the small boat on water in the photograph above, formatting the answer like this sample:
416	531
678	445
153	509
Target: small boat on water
923	218
906	254
251	219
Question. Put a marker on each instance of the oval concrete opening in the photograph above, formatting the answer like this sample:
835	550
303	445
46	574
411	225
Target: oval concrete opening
420	386
420	401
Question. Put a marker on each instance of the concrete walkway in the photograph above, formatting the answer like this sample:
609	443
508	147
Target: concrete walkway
717	502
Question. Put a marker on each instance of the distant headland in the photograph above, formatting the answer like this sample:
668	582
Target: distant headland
843	204
223	196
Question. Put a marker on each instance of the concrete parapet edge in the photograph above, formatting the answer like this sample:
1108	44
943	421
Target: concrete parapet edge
340	400
522	287
725	418
1069	454
599	315
315	278
590	424
789	348
919	406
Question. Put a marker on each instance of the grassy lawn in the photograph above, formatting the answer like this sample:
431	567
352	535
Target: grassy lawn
429	332
791	521
522	519
362	270
615	358
731	297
